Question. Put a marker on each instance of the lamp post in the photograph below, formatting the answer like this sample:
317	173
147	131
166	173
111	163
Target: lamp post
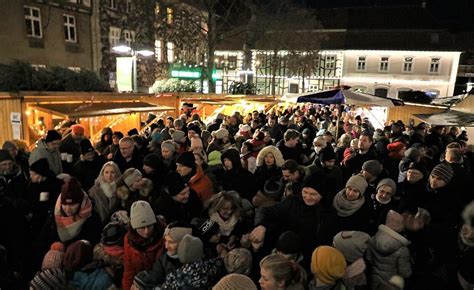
126	69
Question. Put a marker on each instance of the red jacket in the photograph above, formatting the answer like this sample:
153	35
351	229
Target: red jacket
201	184
135	260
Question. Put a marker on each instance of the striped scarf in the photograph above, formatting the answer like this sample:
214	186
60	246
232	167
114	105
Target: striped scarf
70	226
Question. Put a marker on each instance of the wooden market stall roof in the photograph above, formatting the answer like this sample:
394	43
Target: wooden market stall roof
93	109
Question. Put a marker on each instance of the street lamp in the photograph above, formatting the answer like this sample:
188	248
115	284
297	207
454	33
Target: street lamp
126	69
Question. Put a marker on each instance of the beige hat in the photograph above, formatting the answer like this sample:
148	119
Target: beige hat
235	282
141	215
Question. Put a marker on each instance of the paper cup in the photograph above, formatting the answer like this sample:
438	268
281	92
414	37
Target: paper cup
63	156
44	196
69	158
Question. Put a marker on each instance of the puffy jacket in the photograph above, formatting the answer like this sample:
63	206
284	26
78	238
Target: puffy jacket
138	256
389	255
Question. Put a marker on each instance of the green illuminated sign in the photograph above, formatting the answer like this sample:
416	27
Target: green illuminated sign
185	74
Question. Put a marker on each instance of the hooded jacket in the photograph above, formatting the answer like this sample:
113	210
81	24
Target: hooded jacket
54	158
237	178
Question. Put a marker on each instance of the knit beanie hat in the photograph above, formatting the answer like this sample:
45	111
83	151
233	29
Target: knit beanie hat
187	159
77	129
130	176
358	182
288	243
175	183
328	264
86	146
388	182
54	257
214	158
5	155
169	144
41	167
132	132
352	244
235	282
196	142
373	167
207	228
9	145
121	216
49	279
78	254
52	135
395	146
113	234
317	181
156	136
141	214
394	220
178	135
195	128
190	249
443	171
71	192
412	153
221	133
273	188
118	134
239	261
177	231
327	154
153	161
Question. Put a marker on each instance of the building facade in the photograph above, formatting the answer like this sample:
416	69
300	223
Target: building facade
47	33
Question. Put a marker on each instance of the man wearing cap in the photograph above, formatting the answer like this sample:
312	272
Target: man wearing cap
48	148
88	168
70	145
194	175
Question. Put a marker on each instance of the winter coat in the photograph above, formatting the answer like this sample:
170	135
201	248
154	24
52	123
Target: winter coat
389	255
172	210
111	149
197	275
41	209
69	146
378	212
238	179
264	173
139	255
161	268
290	153
54	158
355	161
333	178
358	221
87	171
102	205
92	276
201	184
135	162
17	188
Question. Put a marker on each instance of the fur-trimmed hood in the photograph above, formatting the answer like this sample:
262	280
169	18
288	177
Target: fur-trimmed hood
274	151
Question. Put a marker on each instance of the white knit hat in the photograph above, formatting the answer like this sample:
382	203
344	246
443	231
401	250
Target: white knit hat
141	214
131	175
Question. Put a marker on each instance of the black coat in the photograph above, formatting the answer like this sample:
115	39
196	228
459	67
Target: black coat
238	179
172	210
86	172
355	161
263	173
136	161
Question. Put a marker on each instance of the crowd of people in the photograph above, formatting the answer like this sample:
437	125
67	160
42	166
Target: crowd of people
309	197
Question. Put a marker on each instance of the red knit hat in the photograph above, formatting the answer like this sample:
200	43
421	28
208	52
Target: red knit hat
54	257
71	192
77	255
395	146
77	129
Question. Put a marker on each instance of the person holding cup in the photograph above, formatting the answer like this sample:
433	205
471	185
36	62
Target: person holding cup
71	145
48	148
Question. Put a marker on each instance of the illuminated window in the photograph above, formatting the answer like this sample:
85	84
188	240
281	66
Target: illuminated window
330	62
114	36
434	65
170	51
383	67
158	52
361	63
69	28
408	65
232	62
128	36
33	22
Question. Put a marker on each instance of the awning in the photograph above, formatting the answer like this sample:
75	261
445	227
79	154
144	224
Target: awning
448	118
82	110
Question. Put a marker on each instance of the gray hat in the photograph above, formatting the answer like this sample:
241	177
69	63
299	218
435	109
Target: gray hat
141	214
178	135
373	167
190	249
358	182
238	261
352	244
388	182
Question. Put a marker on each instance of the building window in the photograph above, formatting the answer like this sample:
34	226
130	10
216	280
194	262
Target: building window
434	65
330	62
169	15
232	62
113	4
128	37
381	92
170	51
129	5
114	36
69	28
312	88
33	22
408	65
383	64
158	52
361	63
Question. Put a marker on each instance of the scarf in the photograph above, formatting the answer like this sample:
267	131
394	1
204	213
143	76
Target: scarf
227	226
354	269
381	201
108	188
69	227
114	251
345	207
